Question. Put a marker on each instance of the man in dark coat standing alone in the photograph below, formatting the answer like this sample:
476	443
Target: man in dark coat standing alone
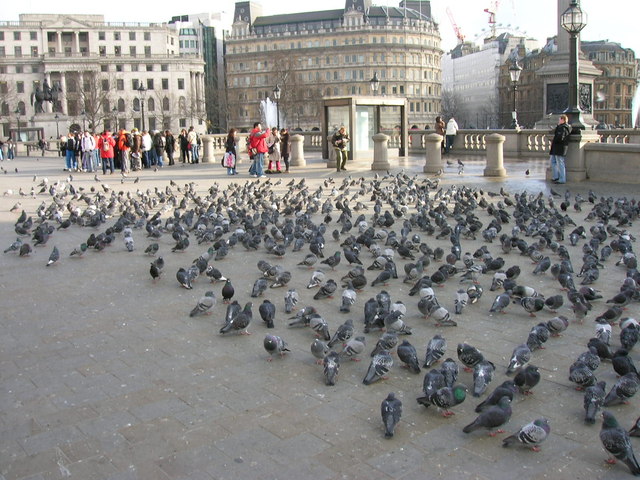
558	152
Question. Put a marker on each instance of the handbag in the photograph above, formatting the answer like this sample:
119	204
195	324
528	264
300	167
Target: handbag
228	160
253	151
272	148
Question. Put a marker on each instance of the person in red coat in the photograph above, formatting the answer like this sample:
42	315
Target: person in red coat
258	141
105	144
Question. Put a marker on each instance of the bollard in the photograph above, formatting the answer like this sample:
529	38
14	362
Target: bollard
207	148
380	152
495	159
331	161
433	146
297	151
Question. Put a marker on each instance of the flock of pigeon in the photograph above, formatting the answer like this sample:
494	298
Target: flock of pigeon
377	255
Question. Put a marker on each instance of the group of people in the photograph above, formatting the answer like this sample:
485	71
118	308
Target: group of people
448	132
11	149
260	142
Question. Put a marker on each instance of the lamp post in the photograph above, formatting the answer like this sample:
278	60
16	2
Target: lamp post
84	120
18	114
142	90
114	111
514	72
375	83
573	21
276	95
57	119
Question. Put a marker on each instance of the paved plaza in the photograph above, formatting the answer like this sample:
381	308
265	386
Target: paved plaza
103	374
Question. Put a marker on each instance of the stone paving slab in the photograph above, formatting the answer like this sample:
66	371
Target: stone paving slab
103	374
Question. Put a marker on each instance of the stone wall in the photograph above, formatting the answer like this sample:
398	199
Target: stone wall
613	162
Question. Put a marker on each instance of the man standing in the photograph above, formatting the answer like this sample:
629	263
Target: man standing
192	138
258	141
339	140
451	132
558	152
146	149
105	144
87	145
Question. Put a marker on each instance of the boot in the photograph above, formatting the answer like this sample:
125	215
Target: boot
278	169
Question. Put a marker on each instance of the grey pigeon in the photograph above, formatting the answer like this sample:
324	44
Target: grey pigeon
204	305
461	300
617	442
387	341
319	325
527	378
581	375
519	358
625	388
183	278
330	367
482	376
54	257
492	417
557	325
507	388
259	286
267	311
394	323
327	290
342	334
227	291
432	381
469	355
435	350
291	299
593	400
391	411
319	349
240	322
275	345
622	362
635	430
380	365
446	397
449	370
408	355
353	348
501	302
530	435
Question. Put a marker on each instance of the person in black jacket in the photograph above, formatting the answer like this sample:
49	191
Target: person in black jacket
169	145
230	160
558	152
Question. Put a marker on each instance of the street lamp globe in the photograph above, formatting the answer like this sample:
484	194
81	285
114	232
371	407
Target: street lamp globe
277	92
375	83
276	95
514	72
574	19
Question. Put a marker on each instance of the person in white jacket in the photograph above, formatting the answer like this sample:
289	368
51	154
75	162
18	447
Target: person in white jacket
87	145
450	133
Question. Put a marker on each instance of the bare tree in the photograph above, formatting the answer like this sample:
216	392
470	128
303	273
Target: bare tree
216	109
93	97
165	105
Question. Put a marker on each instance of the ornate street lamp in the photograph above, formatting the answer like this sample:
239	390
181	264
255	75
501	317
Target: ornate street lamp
142	91
114	111
276	95
514	72
57	119
18	114
84	120
375	83
573	20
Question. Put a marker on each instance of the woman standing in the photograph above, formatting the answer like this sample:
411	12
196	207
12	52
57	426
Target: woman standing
183	141
11	149
285	147
230	148
440	131
169	145
273	143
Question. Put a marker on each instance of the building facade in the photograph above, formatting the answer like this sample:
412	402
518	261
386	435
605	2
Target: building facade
102	75
332	53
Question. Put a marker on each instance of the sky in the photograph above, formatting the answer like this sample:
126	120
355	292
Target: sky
616	21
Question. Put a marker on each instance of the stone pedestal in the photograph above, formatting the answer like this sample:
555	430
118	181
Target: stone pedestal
207	149
433	162
297	151
574	162
495	158
380	152
331	158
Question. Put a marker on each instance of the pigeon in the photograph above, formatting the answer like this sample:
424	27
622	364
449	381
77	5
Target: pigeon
227	291
482	376
617	442
183	278
635	430
348	298
601	348
449	370
611	315
327	290
281	280
309	260
527	378
530	435
330	367
461	300
554	302
622	362
319	325
204	305
391	411
156	268
54	257
274	344
267	311
240	322
152	249
259	286
387	341
625	388
129	244
501	302
538	336
446	397
519	358
469	355
507	388
79	250
557	325
317	277
291	299
333	260
629	335
581	375
408	355
15	246
319	349
532	304
593	399
435	350
342	334
380	365
393	323
492	417
353	348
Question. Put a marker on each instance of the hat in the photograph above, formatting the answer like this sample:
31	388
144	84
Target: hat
135	130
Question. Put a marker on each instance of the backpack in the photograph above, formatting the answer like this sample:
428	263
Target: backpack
105	144
129	140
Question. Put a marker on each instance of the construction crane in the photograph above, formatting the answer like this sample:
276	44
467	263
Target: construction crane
492	10
455	27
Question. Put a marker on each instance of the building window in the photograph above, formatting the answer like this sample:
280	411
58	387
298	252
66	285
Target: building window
149	67
164	67
2	52
117	51
102	51
19	69
149	83
17	51
105	85
134	84
16	35
134	67
102	36
119	68
116	36
104	68
33	35
183	123
147	36
119	84
151	105
132	36
35	69
165	104
20	87
147	51
165	84
34	51
2	36
132	50
181	84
